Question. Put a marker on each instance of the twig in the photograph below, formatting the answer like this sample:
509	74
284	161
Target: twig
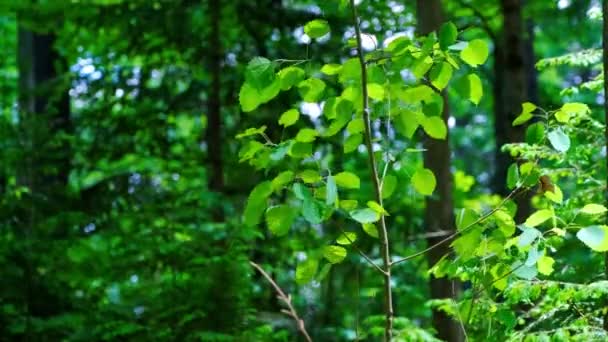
461	231
287	299
356	248
383	232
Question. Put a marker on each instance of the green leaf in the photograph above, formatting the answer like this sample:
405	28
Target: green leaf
568	109
251	98
310	176
538	217
348	205
311	89
306	135
370	229
282	179
512	176
306	270
421	66
545	265
475	88
375	206
464	246
441	74
424	181
535	133
346	238
291	76
559	140
528	236
593	209
447	35
595	237
355	126
260	73
316	28
334	254
256	203
375	91
312	211
331	69
505	222
280	218
525	272
465	218
366	215
435	127
289	117
331	191
352	142
323	272
525	115
475	53
389	184
347	180
251	131
556	195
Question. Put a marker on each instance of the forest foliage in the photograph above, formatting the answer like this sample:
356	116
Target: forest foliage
303	170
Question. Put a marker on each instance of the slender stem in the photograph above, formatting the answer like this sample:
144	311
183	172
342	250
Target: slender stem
383	232
368	259
605	62
287	300
461	231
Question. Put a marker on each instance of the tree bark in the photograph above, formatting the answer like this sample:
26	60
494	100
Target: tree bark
511	90
439	212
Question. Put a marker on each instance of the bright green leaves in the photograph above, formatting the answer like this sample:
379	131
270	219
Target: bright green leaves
593	209
257	202
306	135
331	69
251	98
334	254
251	131
280	218
475	53
441	74
595	237
282	179
316	28
539	217
475	88
375	91
447	35
306	270
352	142
435	127
291	76
310	176
568	110
346	238
312	210
347	180
289	117
559	140
260	73
424	181
526	114
366	215
389	184
311	89
545	265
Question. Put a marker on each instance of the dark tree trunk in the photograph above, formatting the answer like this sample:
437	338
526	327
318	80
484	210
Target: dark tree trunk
439	212
213	137
44	107
510	68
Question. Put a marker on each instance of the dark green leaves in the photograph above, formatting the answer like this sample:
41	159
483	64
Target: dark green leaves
447	35
306	270
366	215
260	73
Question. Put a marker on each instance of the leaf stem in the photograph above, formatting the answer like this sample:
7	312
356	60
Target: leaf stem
383	232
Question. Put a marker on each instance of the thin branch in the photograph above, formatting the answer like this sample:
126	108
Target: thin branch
287	300
356	248
461	231
383	232
484	20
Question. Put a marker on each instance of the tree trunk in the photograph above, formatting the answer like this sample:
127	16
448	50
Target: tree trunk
213	137
439	212
510	69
